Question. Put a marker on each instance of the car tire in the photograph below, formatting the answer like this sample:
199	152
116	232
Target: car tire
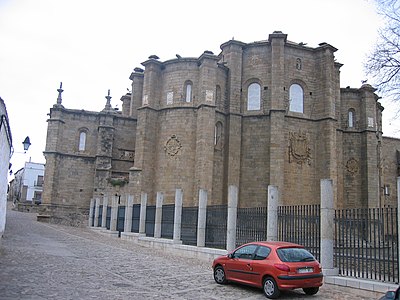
311	290
219	275
270	288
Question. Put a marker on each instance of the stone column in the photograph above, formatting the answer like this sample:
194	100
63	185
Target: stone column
128	213
158	216
91	212
232	218
272	213
114	214
96	212
178	216
104	215
202	219
327	227
142	221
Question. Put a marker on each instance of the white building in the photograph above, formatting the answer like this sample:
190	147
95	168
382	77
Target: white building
5	153
28	183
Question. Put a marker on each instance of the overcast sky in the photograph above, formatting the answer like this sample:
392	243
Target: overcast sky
93	45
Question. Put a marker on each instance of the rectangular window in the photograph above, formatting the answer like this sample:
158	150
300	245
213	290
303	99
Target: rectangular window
40	180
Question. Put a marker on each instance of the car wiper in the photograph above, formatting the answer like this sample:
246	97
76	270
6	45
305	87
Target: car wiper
307	259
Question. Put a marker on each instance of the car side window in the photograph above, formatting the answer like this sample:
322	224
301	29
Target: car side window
245	252
262	253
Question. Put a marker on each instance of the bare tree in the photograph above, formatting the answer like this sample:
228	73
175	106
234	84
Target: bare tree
383	64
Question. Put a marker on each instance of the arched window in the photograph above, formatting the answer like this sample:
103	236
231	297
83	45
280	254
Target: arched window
218	135
217	94
351	118
254	97
82	141
296	98
188	90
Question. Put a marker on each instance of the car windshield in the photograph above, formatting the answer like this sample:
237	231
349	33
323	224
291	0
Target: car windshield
294	255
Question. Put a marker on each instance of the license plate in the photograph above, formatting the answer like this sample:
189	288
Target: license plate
305	270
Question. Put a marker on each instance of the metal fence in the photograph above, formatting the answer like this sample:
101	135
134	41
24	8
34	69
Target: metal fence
135	218
189	225
300	224
366	244
167	221
251	225
150	220
216	226
100	219
108	217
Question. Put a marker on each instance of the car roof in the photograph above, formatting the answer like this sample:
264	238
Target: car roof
277	244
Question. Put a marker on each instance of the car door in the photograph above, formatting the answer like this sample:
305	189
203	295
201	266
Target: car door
258	265
238	265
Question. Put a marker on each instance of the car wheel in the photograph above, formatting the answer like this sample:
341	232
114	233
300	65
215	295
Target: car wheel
311	290
219	275
270	288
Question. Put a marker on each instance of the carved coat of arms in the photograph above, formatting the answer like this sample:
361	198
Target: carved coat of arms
299	148
172	146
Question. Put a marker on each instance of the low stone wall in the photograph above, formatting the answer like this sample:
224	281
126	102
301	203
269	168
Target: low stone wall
27	207
63	214
167	245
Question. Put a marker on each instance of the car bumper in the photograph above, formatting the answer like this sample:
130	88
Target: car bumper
299	281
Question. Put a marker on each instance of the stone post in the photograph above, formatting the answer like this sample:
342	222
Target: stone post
91	212
272	213
114	214
158	216
327	227
104	215
96	212
232	218
398	207
128	213
178	216
202	219
142	221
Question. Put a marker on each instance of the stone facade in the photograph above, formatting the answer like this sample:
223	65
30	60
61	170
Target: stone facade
258	114
5	155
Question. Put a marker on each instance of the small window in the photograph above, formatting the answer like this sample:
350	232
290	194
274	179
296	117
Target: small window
294	255
254	97
296	98
40	180
82	141
262	253
246	252
351	118
188	91
217	94
218	135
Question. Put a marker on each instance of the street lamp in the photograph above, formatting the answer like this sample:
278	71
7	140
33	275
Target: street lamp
26	143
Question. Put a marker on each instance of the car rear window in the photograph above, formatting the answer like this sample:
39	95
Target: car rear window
294	255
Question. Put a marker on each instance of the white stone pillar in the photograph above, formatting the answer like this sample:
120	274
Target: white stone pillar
398	208
114	213
327	227
202	219
96	212
272	213
142	221
104	215
158	216
232	218
128	213
91	212
178	216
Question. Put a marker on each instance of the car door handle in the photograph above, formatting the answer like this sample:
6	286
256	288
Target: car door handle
250	267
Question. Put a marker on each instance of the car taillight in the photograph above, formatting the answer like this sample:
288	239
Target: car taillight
282	267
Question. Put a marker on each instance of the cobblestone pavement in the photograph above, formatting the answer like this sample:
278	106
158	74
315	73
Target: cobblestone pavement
45	261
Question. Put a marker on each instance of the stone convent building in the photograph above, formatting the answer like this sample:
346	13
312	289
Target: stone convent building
264	113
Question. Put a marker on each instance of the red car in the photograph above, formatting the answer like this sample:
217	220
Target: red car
272	266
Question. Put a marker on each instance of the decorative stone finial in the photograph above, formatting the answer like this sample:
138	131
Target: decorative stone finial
60	90
108	103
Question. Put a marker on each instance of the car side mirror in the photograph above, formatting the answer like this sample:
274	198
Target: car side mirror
390	295
230	255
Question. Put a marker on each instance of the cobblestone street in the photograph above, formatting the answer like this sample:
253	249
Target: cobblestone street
45	261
